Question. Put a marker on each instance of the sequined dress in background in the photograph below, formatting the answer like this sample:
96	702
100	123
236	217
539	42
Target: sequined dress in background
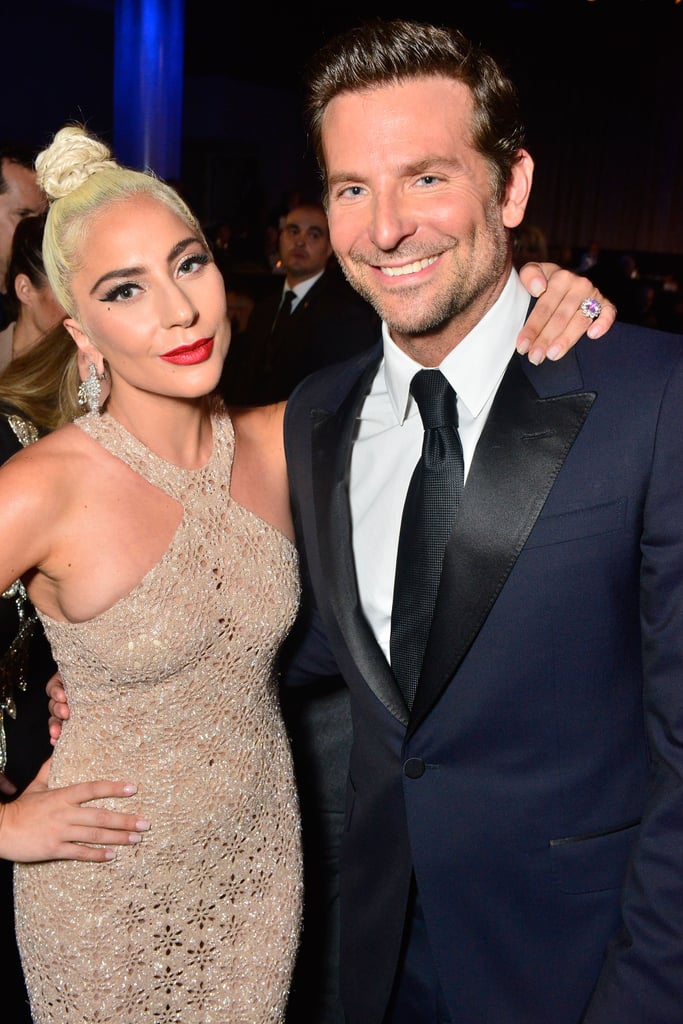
174	687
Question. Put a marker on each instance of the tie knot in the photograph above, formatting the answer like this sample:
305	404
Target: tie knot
436	399
287	301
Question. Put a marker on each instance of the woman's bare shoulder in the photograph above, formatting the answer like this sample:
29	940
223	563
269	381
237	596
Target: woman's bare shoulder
259	422
39	486
56	463
60	443
259	472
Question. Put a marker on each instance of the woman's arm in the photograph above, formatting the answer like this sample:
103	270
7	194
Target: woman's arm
53	824
556	322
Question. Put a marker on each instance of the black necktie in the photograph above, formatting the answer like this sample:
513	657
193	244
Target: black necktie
285	309
428	516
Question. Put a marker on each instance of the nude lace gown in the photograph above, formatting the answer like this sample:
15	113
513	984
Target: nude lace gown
174	688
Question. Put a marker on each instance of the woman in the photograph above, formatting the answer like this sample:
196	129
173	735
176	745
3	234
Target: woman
165	575
33	306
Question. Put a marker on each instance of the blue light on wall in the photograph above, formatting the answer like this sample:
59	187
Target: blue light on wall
148	84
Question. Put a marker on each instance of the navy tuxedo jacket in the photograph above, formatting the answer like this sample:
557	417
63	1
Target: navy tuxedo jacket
536	788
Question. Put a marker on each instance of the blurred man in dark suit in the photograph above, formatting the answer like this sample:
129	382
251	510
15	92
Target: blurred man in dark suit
315	319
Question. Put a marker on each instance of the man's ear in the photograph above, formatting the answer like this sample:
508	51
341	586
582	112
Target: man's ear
518	190
86	350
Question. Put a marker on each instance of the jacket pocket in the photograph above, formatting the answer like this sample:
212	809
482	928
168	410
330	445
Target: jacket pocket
578	523
595	861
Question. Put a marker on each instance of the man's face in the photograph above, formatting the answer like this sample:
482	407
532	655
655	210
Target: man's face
412	214
22	199
304	243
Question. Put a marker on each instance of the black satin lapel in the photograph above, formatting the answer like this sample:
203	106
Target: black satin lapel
332	438
522	448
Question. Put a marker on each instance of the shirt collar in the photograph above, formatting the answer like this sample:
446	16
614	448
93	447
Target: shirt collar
302	288
476	365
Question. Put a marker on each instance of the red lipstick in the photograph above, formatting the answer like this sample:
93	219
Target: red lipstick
190	355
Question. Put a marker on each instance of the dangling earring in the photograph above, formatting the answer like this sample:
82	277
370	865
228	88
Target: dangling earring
90	390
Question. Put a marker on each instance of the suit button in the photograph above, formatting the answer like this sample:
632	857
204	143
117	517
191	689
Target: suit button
414	768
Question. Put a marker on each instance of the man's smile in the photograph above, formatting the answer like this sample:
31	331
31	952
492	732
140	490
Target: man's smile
408	268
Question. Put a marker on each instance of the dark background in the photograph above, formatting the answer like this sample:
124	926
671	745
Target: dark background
601	84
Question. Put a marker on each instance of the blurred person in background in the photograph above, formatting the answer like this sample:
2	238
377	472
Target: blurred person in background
312	319
31	304
19	197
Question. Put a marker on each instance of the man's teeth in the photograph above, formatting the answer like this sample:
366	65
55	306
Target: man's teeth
410	268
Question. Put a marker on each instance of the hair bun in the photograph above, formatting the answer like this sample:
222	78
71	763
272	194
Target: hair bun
69	160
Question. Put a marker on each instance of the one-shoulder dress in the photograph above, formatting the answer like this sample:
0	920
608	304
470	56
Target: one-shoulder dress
174	687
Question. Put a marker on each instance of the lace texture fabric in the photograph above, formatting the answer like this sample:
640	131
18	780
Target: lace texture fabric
174	687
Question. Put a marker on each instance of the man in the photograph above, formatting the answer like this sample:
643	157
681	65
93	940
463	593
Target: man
513	851
327	320
19	197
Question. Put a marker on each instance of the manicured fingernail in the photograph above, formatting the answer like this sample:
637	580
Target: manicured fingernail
130	788
554	352
523	346
142	825
538	286
536	357
134	838
109	855
593	331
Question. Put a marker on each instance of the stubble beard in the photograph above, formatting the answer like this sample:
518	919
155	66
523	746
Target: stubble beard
469	280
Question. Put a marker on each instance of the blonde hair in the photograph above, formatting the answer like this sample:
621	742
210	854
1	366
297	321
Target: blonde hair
79	177
42	384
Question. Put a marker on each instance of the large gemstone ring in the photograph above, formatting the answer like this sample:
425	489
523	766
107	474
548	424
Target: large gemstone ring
590	308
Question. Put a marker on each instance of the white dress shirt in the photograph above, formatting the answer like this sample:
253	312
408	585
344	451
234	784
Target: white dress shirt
389	441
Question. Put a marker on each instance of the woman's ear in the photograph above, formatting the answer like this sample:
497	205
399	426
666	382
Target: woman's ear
23	288
87	353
